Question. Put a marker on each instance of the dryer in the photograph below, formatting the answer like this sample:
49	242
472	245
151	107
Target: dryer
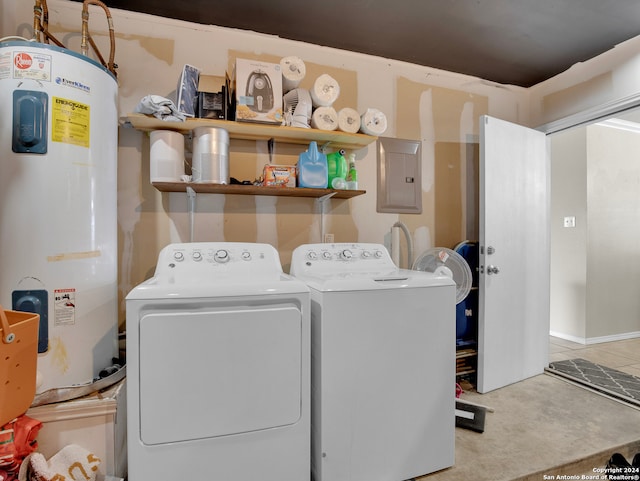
382	364
218	359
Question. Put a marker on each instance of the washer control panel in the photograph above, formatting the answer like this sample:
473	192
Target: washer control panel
340	257
205	258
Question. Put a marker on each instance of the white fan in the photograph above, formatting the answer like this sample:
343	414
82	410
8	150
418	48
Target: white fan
297	108
447	262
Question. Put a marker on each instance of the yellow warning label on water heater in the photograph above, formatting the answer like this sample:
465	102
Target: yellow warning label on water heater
70	122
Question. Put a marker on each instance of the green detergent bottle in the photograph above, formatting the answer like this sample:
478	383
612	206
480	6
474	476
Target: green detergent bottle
337	169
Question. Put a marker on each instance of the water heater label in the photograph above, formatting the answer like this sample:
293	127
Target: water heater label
70	122
64	307
5	65
32	65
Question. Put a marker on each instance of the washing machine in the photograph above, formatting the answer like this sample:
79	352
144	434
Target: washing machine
382	364
218	367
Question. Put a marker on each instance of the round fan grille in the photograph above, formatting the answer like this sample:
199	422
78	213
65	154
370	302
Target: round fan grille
443	261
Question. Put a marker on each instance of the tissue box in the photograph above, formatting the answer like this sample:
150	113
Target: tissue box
212	101
97	422
258	91
279	175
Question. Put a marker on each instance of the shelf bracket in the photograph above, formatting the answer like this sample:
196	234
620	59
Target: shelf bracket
271	146
191	207
324	146
321	202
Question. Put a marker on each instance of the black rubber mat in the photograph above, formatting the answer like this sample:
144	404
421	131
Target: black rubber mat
601	378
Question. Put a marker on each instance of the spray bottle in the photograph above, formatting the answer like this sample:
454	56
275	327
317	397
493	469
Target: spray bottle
352	175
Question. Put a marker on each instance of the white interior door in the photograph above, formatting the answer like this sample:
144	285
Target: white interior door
513	317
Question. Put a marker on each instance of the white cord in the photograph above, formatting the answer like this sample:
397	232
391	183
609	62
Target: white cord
15	37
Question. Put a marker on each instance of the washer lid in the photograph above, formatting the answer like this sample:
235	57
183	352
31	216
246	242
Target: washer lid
374	280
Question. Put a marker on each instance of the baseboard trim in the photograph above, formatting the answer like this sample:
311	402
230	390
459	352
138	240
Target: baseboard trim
595	340
568	337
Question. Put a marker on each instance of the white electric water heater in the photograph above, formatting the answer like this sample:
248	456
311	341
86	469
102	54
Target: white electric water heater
58	225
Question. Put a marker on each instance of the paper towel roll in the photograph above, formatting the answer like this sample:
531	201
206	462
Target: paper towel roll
348	120
325	91
324	118
373	122
166	156
293	71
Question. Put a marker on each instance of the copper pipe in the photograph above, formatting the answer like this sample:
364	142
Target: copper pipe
37	20
41	23
86	36
44	25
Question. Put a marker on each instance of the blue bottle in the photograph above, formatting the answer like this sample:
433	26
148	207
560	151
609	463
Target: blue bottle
312	168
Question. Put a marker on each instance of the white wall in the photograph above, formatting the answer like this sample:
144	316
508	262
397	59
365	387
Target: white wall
595	267
568	245
613	258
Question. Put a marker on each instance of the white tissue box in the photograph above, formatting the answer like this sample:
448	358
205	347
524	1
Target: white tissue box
97	423
258	91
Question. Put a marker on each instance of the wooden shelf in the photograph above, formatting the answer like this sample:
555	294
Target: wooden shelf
254	131
255	190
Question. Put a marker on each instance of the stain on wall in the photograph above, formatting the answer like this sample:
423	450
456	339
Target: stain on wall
447	123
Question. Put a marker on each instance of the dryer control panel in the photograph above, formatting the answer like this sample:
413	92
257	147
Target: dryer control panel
232	259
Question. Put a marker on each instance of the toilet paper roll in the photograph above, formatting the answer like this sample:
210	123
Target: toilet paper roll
348	120
166	156
293	72
325	91
324	118
373	122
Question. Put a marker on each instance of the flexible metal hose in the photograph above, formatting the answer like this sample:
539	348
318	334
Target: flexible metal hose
86	36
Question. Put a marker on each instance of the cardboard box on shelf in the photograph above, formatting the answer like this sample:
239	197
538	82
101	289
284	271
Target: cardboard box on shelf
257	91
279	175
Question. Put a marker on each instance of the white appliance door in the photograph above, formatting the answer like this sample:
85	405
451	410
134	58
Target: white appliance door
513	318
211	373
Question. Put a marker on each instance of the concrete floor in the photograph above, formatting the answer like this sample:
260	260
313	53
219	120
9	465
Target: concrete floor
546	426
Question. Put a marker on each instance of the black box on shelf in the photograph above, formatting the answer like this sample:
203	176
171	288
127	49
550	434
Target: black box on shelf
212	97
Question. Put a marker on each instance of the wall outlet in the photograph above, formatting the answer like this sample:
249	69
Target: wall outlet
570	221
328	238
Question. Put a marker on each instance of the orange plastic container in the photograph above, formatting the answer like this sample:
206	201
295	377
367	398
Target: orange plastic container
18	362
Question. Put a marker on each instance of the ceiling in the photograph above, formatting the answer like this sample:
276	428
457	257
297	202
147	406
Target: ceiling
518	42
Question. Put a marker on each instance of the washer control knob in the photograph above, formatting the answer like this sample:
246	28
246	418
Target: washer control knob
366	254
326	255
221	256
346	254
246	255
312	256
377	254
179	256
197	256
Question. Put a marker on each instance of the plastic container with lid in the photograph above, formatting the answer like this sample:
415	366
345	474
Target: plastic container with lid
312	168
337	170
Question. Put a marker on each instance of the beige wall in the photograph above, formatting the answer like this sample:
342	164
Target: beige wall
602	82
420	103
440	108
